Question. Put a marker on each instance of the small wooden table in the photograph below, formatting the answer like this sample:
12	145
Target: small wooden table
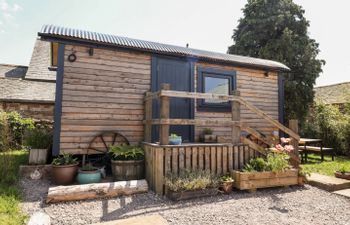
316	146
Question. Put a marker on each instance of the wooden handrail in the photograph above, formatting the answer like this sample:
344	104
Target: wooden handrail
196	95
201	122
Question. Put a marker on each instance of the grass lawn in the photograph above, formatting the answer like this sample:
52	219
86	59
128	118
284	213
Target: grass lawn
327	167
10	194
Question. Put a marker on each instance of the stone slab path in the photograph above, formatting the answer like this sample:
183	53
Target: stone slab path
328	183
345	193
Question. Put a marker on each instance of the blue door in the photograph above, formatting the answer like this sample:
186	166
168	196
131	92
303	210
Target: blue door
179	74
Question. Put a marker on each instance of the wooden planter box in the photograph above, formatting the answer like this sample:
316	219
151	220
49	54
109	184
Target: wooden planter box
38	156
253	180
184	195
341	175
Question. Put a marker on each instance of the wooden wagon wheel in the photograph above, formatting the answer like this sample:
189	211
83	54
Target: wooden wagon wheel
103	141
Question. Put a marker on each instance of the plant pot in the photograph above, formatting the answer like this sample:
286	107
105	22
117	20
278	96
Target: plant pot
38	156
65	174
184	195
209	138
341	175
88	177
128	169
175	140
227	187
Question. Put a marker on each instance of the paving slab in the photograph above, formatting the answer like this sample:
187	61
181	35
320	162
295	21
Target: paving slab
345	193
140	220
328	183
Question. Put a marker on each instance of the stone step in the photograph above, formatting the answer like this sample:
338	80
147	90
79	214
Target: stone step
344	192
144	220
328	183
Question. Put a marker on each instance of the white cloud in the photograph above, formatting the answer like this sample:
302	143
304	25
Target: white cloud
8	13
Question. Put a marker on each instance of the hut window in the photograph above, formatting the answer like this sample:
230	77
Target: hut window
216	82
54	54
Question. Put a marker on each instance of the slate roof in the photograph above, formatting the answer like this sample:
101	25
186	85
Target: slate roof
41	62
19	90
12	71
333	94
52	32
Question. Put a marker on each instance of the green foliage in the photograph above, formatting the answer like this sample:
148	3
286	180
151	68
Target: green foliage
18	125
330	125
274	162
190	180
5	133
278	30
38	139
226	179
343	169
256	165
173	135
88	167
327	167
10	194
65	159
126	152
277	162
208	131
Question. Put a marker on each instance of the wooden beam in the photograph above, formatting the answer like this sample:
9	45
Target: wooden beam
197	95
200	122
236	116
254	146
293	125
97	190
164	114
256	134
148	118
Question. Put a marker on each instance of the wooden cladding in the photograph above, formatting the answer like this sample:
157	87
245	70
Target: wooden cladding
220	159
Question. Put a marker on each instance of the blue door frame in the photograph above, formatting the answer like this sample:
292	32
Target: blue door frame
179	73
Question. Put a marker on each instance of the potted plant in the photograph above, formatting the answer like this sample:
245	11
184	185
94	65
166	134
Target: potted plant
88	174
342	173
226	184
208	136
64	169
38	142
174	139
190	184
127	162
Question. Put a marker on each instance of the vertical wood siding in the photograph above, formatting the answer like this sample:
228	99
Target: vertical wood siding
103	92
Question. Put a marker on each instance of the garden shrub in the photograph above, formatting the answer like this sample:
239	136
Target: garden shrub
38	139
18	125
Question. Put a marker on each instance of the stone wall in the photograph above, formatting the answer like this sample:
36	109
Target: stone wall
39	111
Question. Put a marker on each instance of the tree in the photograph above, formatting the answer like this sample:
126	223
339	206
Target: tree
277	30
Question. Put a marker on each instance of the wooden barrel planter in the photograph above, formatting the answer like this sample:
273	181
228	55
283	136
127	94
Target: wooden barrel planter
128	169
253	180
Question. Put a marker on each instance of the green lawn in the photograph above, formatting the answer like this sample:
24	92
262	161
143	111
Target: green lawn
10	194
327	167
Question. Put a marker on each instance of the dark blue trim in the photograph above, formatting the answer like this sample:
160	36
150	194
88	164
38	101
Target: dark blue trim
210	72
58	101
281	100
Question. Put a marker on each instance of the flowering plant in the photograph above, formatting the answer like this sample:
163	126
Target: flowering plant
284	147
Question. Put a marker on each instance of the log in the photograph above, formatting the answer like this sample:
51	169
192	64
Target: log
97	190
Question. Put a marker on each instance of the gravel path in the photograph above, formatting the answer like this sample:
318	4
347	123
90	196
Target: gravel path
294	205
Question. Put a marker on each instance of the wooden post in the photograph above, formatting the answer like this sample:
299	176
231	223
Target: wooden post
236	116
148	118
164	114
293	125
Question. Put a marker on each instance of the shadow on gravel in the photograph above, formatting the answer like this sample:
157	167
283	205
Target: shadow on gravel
158	204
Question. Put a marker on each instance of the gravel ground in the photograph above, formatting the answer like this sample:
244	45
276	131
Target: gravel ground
294	205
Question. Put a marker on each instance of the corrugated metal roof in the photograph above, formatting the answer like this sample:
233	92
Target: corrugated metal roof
69	33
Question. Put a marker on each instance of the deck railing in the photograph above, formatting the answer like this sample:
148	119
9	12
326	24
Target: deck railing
164	95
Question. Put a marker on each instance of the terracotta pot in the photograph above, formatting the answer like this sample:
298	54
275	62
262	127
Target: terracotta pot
128	169
226	187
65	174
341	175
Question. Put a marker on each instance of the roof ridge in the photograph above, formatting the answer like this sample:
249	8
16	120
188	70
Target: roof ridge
52	31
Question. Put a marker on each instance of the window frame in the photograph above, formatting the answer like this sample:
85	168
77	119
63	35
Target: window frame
211	72
53	64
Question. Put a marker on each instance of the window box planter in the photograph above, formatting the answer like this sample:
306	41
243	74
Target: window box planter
253	180
185	195
209	138
341	175
38	156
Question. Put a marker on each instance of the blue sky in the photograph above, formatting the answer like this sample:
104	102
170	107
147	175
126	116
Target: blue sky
203	24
